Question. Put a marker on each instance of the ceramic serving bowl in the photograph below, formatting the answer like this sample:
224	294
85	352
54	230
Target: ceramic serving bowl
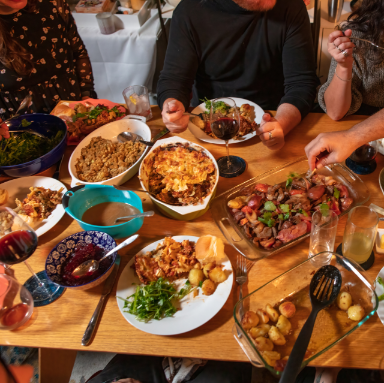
47	125
133	124
67	246
182	213
80	198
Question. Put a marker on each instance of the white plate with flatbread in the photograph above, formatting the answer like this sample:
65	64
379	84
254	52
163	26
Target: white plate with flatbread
201	135
19	188
194	312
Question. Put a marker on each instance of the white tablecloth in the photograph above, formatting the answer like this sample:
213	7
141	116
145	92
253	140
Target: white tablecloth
126	57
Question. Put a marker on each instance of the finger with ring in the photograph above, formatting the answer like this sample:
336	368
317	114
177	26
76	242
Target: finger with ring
270	135
345	53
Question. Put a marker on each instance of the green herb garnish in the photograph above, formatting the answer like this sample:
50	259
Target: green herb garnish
154	301
284	208
303	212
218	106
288	183
380	281
324	208
25	147
286	216
201	284
270	206
281	217
25	123
267	219
336	193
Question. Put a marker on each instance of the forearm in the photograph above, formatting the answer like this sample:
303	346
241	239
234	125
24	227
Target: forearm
338	96
288	116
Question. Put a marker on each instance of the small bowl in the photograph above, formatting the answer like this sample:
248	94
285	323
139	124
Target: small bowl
44	124
181	213
133	124
80	198
67	246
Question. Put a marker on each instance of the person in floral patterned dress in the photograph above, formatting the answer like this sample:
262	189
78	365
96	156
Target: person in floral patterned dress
41	53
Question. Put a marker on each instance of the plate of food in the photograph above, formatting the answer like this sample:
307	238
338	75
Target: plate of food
36	199
83	117
159	296
250	117
379	288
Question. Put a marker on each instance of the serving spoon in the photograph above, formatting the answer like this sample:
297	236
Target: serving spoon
145	214
90	266
324	288
128	136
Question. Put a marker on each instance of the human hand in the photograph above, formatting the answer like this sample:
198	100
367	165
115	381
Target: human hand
173	116
271	132
128	380
4	131
330	148
339	42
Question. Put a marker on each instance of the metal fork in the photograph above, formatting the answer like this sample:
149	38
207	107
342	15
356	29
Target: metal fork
241	278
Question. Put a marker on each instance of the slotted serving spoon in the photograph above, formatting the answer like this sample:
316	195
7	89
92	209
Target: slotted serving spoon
324	288
89	267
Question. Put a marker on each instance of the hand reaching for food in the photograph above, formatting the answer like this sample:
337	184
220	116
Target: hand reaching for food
173	116
4	133
271	132
335	147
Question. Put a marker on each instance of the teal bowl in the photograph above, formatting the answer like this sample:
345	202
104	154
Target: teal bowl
80	198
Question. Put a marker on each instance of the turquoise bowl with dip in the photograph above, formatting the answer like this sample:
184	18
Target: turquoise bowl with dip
79	199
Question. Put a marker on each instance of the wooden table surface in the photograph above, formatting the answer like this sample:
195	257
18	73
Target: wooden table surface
62	323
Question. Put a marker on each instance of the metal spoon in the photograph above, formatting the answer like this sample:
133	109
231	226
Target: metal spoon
324	288
128	136
145	214
89	267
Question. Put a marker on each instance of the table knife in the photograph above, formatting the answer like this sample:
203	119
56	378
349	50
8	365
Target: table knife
159	135
107	288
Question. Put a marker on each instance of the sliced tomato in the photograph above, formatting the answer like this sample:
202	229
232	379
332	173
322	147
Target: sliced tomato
309	225
335	207
295	191
263	188
247	209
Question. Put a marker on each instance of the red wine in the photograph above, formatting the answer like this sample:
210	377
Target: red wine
17	246
14	314
364	154
225	128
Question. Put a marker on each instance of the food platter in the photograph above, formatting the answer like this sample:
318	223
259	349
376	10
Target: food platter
380	291
193	313
19	188
198	133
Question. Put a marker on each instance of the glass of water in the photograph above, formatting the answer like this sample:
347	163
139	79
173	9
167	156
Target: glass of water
137	99
323	235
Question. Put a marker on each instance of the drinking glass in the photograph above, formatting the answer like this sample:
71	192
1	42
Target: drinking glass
225	125
16	303
137	99
18	241
323	235
362	160
360	233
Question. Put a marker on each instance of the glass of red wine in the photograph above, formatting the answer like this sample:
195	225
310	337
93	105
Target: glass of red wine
225	124
18	241
362	160
16	303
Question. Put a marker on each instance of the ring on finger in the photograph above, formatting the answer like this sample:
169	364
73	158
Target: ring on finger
345	53
270	135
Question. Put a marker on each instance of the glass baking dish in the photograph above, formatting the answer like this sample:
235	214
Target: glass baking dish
332	324
236	237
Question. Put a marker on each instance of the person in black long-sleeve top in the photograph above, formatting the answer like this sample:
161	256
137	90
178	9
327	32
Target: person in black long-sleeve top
260	50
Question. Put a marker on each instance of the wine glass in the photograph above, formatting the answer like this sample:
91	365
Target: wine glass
18	241
225	124
362	160
359	235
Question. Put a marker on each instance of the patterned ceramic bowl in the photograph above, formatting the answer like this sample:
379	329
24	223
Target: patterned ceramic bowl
66	247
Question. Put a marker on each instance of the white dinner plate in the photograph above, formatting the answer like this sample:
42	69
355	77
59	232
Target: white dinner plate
201	135
379	291
194	311
19	188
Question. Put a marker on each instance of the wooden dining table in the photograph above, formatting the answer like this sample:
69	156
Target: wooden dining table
61	325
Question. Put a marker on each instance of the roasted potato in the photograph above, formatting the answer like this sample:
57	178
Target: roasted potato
263	344
356	313
208	287
250	319
344	301
208	267
195	276
284	325
271	357
272	313
261	330
276	336
217	275
264	318
3	196
287	309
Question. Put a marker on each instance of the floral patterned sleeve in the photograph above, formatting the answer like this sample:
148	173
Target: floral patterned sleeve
80	54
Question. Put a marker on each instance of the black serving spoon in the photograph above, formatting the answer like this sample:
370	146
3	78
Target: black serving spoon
323	290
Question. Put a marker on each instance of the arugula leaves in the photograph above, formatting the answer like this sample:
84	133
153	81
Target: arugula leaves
154	301
25	123
24	147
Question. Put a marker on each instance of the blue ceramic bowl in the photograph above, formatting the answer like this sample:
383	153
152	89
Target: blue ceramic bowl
44	124
80	198
67	246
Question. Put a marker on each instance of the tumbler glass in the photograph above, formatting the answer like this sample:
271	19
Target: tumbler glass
137	99
323	235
